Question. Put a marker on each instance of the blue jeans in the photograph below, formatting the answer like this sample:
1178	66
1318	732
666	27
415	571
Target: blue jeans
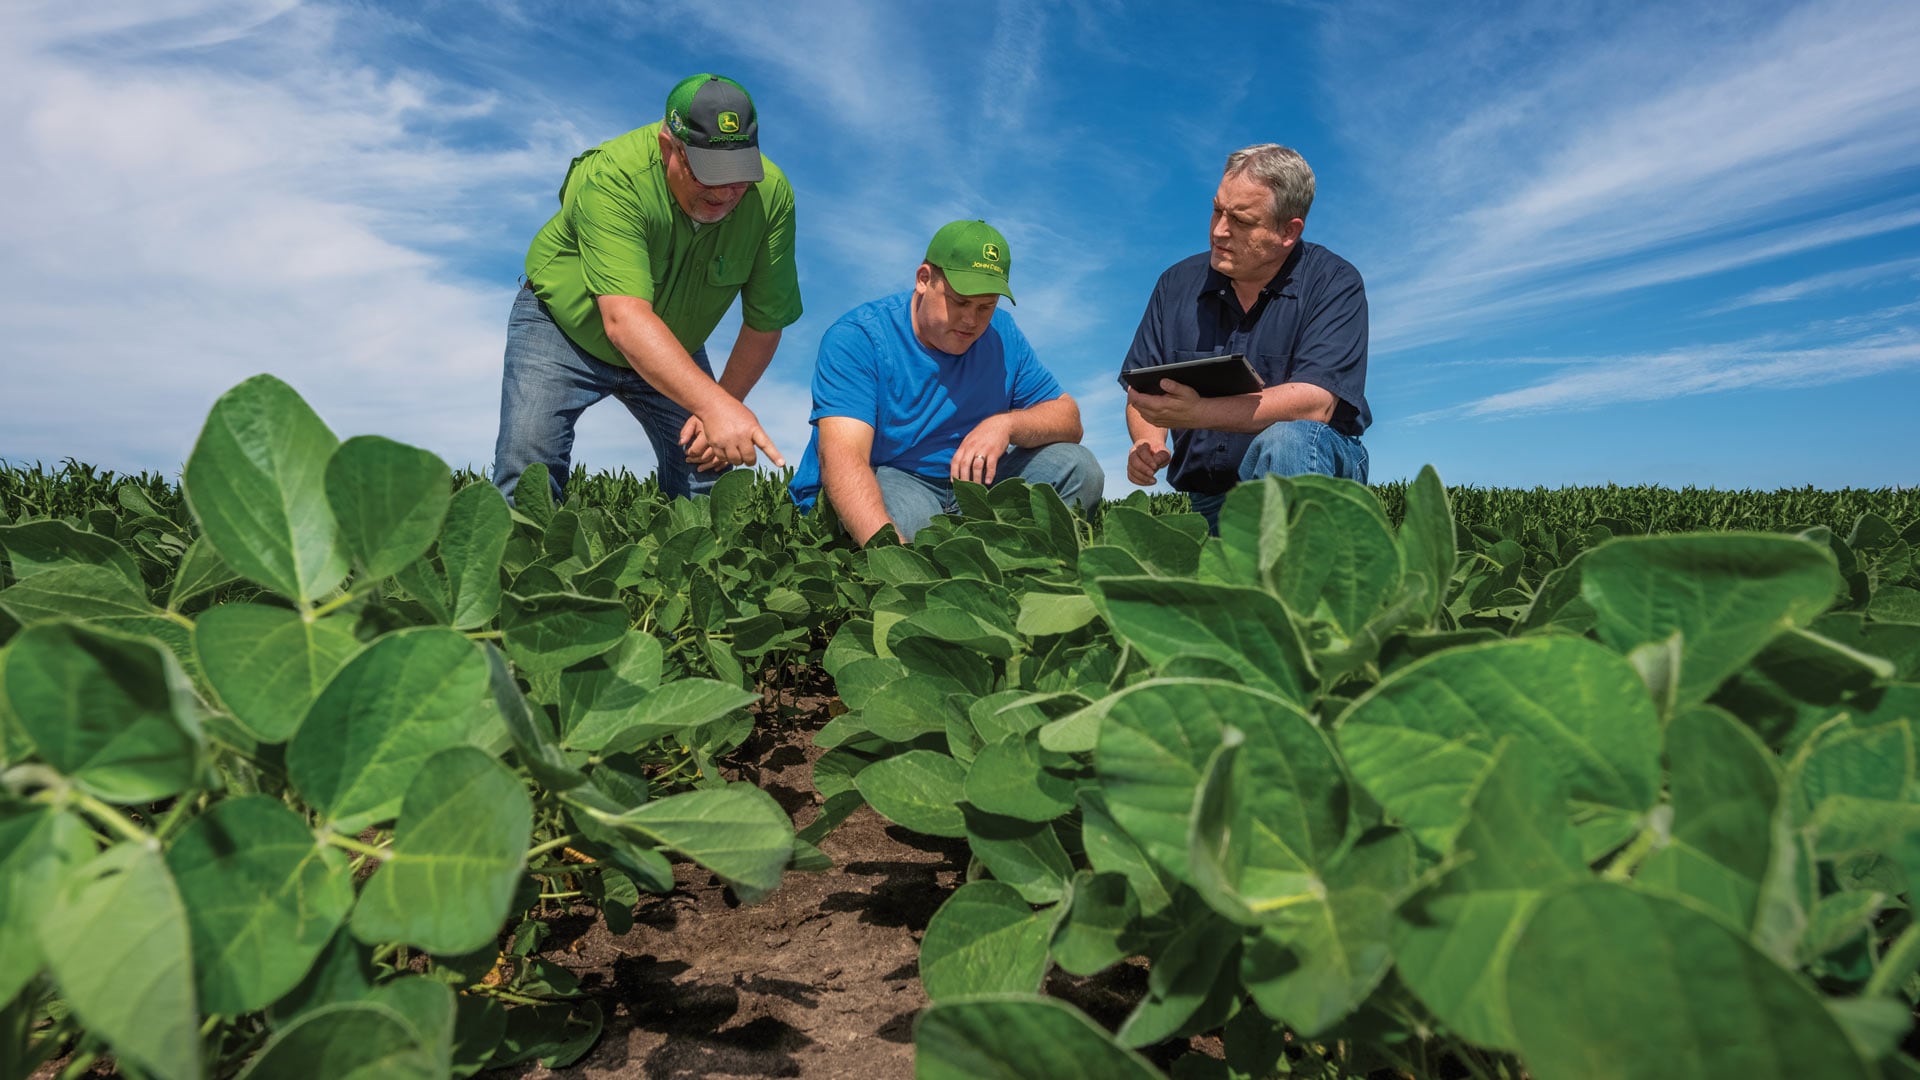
1290	448
549	381
1068	468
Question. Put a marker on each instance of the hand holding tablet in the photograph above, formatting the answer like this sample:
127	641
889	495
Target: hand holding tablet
1209	376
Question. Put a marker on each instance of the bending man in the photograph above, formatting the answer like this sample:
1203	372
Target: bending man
934	385
658	231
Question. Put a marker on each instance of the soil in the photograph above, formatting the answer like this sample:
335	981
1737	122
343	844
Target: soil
818	980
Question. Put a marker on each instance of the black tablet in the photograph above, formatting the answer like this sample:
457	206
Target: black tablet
1211	376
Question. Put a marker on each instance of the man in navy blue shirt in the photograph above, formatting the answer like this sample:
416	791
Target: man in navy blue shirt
926	387
1297	311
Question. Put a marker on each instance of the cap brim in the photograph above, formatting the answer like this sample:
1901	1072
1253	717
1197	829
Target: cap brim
978	283
717	167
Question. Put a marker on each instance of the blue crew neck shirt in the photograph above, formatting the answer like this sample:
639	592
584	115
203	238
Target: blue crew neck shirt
1309	325
920	402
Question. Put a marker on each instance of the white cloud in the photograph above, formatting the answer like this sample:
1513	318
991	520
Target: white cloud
1832	281
1600	381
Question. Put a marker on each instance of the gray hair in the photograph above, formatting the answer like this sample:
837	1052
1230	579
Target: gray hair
1284	172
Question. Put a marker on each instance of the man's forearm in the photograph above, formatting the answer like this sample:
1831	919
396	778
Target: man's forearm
1139	427
1252	413
1048	422
854	489
752	352
652	350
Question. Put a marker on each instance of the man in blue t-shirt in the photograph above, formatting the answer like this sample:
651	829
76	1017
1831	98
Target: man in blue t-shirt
1297	311
926	387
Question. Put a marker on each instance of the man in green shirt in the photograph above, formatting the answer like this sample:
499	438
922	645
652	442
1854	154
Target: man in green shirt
658	231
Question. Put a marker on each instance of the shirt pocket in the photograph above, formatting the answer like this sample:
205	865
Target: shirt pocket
729	269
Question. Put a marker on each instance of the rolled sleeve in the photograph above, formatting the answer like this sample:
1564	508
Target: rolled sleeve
1332	349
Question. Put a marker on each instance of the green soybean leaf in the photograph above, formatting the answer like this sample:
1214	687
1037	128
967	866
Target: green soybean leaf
114	713
117	924
737	831
675	708
458	850
1313	973
479	1025
1042	614
35	546
405	698
557	1034
256	480
1010	777
985	939
1728	594
201	571
1184	976
1427	537
1099	928
1725	794
472	544
39	846
532	735
1112	849
1705	1003
1019	1037
1153	750
1420	738
908	708
951	629
74	591
920	789
428	1008
1025	854
1163	550
552	631
269	664
606	689
262	896
389	500
1246	629
1452	944
1342	562
347	1041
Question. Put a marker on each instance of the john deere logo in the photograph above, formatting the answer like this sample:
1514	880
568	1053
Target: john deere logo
990	252
729	122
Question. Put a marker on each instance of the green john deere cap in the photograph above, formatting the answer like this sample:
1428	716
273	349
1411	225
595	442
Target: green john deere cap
713	116
974	256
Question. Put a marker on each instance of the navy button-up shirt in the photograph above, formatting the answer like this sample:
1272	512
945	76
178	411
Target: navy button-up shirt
1309	325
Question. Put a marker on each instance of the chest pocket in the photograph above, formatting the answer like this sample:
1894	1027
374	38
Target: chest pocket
730	268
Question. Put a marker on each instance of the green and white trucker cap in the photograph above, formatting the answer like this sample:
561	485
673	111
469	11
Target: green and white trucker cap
974	256
714	117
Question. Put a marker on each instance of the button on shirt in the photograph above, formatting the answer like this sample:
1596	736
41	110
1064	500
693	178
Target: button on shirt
1309	325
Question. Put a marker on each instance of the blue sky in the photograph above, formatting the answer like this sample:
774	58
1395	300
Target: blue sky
1661	243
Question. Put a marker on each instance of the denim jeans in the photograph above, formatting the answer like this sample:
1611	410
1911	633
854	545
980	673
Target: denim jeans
1068	468
1290	448
549	381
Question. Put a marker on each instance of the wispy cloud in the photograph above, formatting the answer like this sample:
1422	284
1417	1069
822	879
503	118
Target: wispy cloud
1603	381
1579	178
1832	281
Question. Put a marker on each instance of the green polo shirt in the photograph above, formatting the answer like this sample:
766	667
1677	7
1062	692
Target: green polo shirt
619	233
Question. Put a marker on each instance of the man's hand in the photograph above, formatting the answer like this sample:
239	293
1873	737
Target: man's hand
1145	462
726	433
1178	408
700	453
977	458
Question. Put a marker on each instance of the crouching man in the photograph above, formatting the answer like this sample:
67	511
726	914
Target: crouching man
933	385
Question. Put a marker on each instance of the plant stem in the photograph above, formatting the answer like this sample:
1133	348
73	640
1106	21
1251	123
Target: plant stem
551	845
562	895
1899	963
484	635
1623	867
113	819
348	843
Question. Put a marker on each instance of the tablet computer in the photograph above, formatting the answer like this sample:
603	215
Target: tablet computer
1210	376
